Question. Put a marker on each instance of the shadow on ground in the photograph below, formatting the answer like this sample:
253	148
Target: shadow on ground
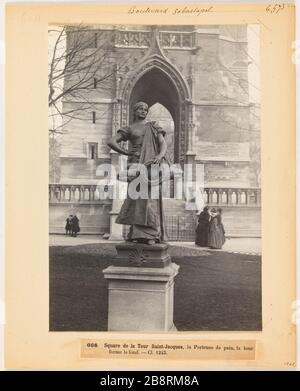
214	291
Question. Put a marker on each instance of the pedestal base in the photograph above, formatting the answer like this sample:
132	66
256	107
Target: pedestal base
142	255
140	299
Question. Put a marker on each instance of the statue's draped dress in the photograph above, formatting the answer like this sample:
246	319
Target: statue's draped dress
145	216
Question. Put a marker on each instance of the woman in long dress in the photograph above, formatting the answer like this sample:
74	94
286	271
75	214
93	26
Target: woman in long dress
203	228
216	237
68	225
146	146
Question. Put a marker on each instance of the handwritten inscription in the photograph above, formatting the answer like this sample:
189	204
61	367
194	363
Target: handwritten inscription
165	10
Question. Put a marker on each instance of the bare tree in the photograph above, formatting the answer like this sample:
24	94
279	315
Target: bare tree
80	60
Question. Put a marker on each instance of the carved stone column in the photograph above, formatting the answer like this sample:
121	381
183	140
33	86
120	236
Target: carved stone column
81	193
92	192
116	230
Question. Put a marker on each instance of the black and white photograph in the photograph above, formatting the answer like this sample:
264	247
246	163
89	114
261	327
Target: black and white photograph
154	178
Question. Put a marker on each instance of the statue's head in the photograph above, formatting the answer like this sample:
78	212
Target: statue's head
140	110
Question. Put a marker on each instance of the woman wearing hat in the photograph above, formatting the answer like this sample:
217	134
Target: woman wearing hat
146	146
220	224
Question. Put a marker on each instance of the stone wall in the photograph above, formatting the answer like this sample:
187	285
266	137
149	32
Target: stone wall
220	174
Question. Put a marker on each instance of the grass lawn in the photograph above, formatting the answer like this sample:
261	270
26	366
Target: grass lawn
213	290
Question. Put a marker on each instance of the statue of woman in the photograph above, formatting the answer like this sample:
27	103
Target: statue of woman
146	146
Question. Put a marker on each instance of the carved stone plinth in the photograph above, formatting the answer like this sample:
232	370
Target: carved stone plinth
142	255
141	298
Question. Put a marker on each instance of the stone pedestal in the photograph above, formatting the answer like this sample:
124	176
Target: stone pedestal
141	288
190	157
116	230
140	298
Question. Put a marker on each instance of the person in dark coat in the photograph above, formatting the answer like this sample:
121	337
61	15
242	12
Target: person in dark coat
75	226
203	228
68	226
216	236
